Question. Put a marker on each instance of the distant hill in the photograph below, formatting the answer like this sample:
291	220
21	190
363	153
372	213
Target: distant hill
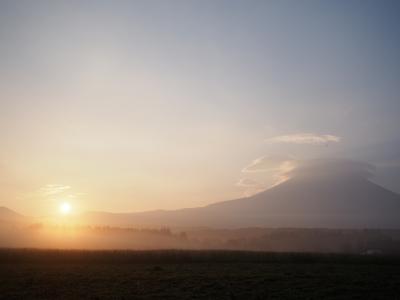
327	194
8	215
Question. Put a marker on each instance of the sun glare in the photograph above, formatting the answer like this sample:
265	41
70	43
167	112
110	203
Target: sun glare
65	208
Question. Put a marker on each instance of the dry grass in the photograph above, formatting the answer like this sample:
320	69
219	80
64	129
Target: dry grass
66	274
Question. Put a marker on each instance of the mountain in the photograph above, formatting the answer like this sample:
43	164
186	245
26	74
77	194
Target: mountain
386	157
8	215
321	193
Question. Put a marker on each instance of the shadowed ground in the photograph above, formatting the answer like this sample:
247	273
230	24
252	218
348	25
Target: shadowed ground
36	274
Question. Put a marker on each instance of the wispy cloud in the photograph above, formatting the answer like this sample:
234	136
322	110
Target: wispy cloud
54	189
250	191
247	182
266	163
269	171
51	192
304	138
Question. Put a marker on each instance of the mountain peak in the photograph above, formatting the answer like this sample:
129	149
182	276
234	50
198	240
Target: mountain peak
333	169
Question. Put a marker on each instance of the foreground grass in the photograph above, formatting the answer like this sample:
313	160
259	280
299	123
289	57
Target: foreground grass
67	274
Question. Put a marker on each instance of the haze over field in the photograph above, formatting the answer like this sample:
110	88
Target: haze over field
159	113
318	194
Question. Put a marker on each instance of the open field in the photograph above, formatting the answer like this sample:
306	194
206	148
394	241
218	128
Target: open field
69	274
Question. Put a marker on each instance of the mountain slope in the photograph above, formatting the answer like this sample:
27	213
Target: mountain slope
333	194
322	203
8	215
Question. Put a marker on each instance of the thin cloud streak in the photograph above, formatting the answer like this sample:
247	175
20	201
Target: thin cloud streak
304	138
266	164
54	189
272	169
247	182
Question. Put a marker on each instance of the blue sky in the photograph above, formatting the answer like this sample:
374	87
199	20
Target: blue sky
163	104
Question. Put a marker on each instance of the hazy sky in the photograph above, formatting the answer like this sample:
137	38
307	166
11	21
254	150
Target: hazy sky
136	105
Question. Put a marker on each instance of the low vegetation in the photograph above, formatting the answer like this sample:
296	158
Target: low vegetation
178	274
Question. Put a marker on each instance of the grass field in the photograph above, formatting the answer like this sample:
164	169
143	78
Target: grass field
67	274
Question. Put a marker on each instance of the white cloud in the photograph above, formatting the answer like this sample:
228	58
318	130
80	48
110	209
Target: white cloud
250	191
51	192
247	182
250	186
304	138
54	189
268	170
266	163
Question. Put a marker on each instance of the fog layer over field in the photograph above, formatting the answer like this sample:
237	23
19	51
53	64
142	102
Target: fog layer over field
323	206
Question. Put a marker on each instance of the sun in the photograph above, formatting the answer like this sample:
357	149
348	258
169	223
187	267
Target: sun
65	208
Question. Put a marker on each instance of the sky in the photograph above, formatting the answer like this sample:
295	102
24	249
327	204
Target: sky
127	106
